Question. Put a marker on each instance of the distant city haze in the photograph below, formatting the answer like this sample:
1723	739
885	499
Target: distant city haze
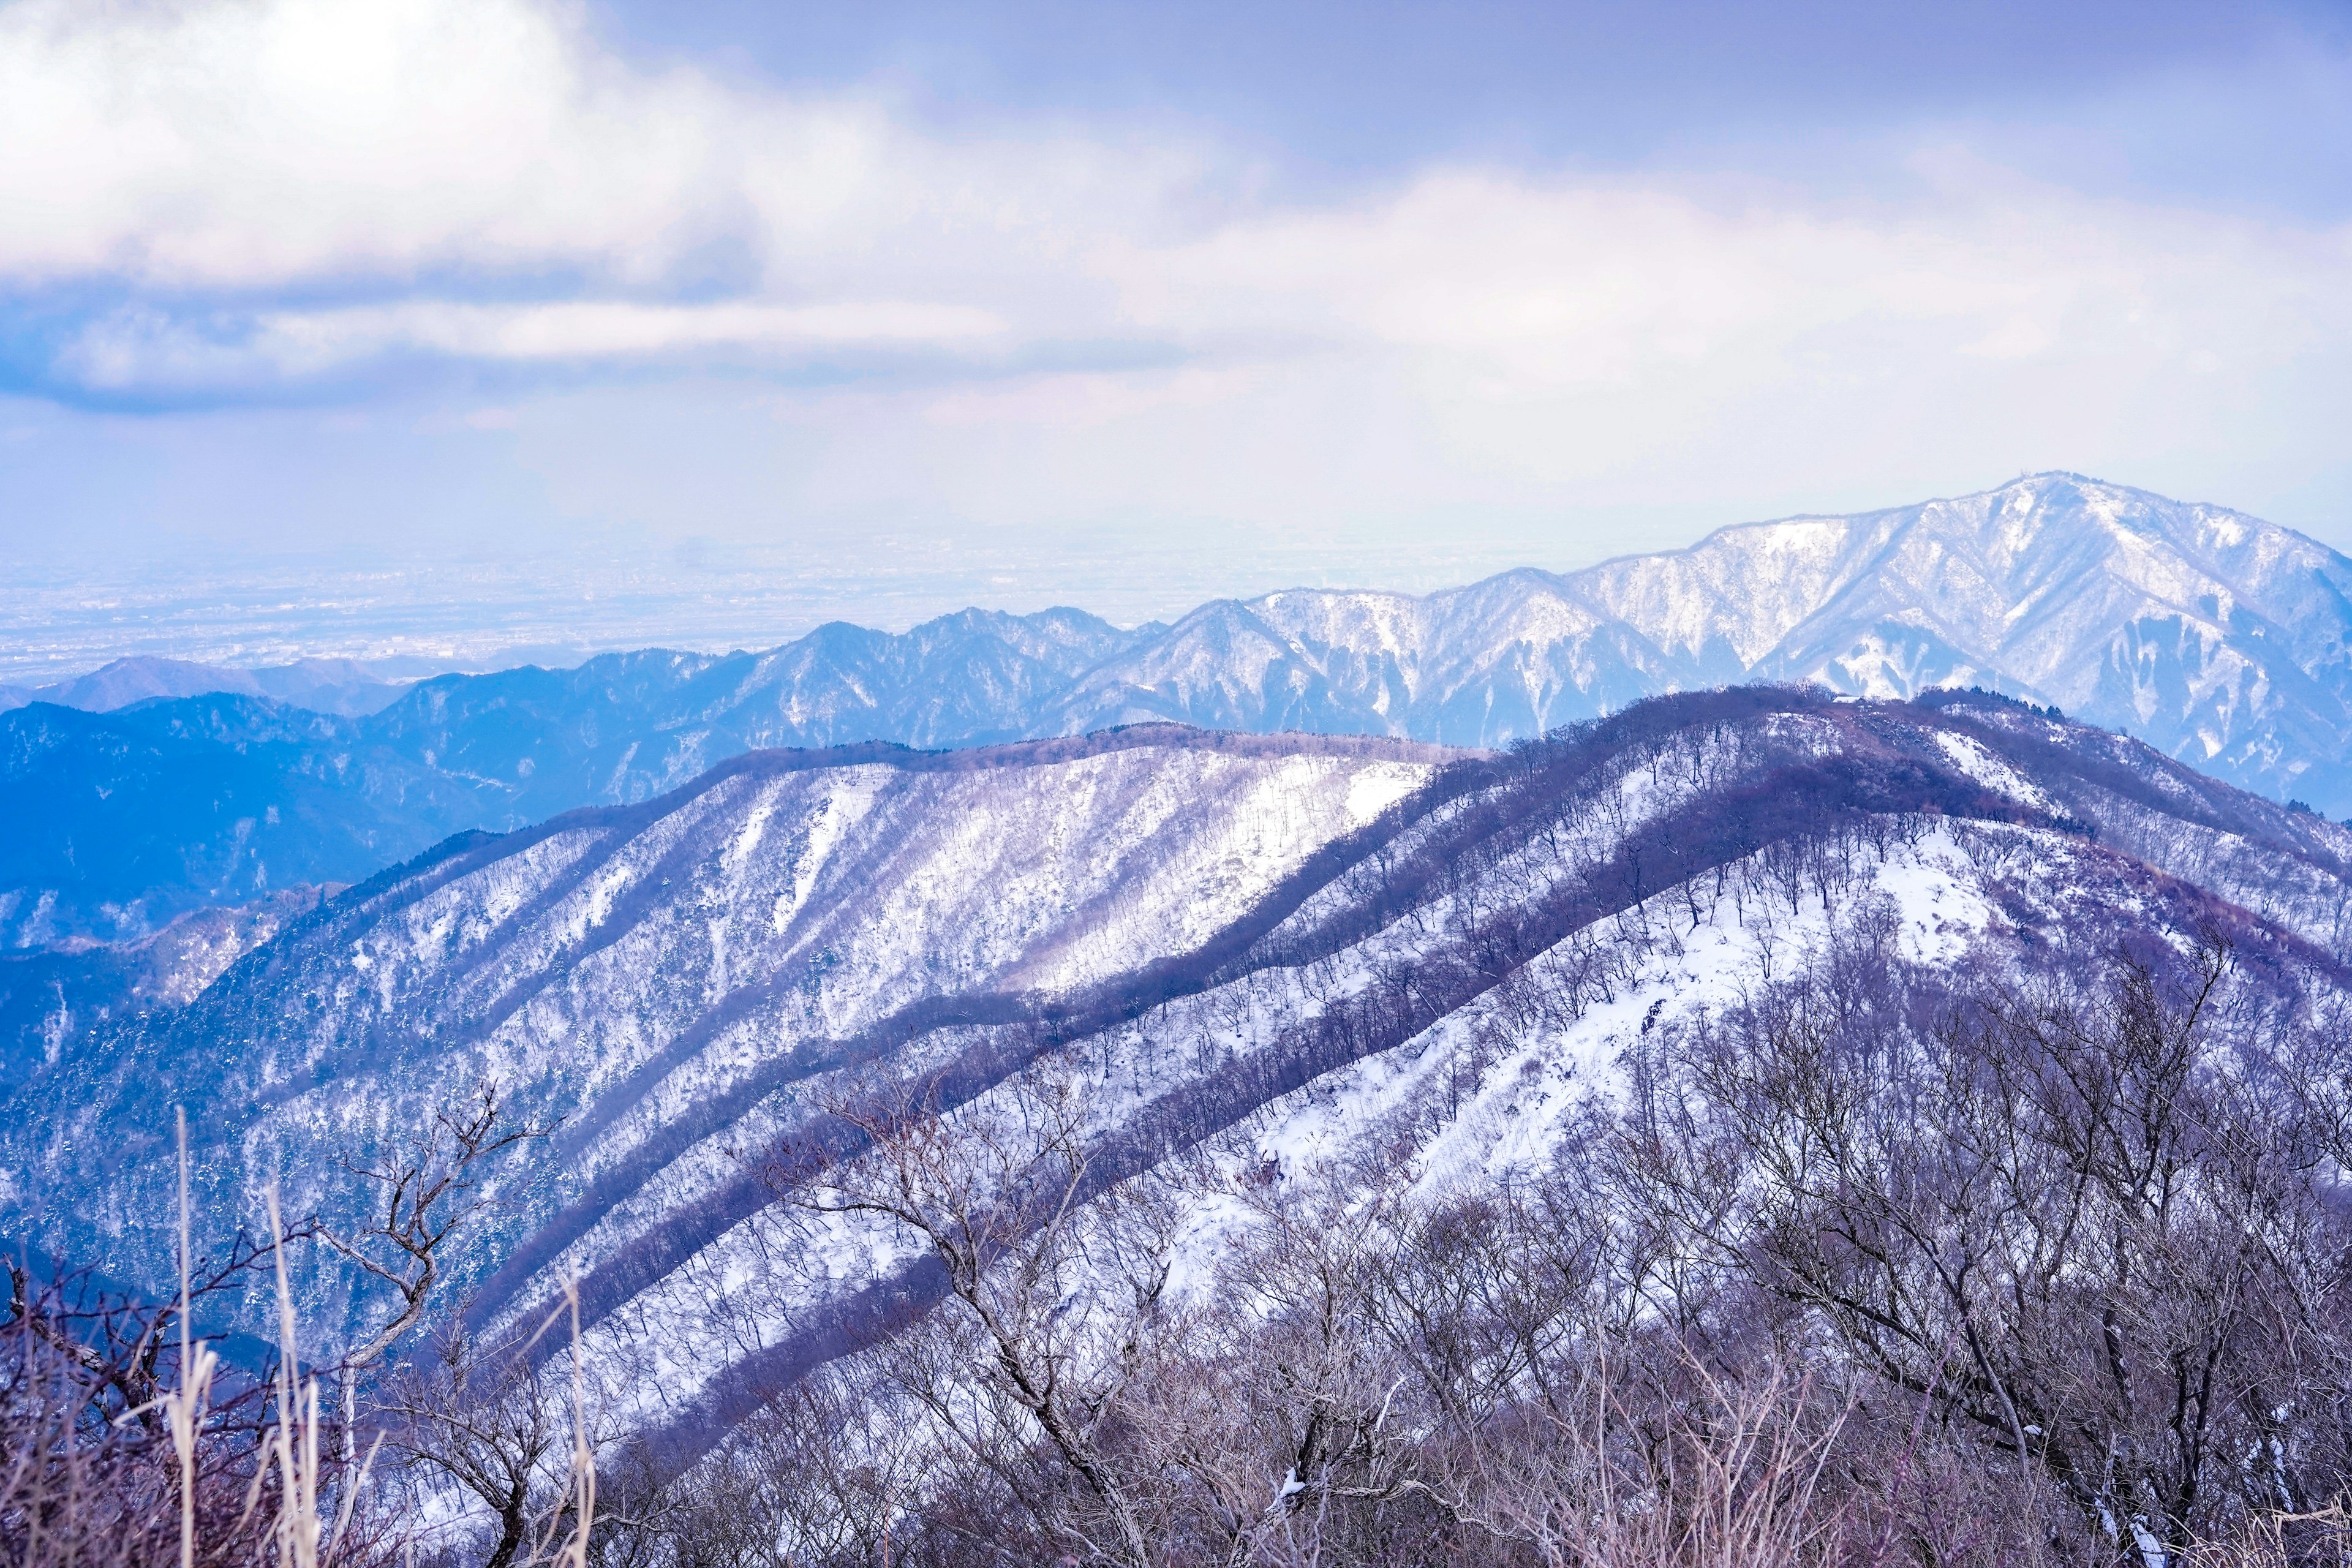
609	592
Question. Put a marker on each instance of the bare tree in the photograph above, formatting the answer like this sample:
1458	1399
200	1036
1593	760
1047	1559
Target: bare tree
996	1194
427	1186
476	1415
2072	1218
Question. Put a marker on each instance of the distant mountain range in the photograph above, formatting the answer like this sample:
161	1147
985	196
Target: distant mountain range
344	686
2220	639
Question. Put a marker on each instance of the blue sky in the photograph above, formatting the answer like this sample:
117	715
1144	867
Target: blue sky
1045	300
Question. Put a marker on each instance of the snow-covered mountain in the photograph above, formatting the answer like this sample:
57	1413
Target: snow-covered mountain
1293	942
2220	638
640	971
2217	638
1500	660
127	819
51	999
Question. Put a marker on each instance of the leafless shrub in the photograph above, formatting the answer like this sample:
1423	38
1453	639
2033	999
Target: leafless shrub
126	1438
1861	1272
206	1468
2322	1538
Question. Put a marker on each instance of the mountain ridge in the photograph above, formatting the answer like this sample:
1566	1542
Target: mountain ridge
2220	638
344	687
1208	926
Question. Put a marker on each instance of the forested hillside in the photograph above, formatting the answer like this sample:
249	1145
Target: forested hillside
1823	1123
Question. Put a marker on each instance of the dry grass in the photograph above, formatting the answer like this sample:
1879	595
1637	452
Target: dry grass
91	1476
2318	1539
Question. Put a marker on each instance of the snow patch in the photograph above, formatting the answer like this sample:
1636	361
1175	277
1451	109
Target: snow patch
1973	758
1375	789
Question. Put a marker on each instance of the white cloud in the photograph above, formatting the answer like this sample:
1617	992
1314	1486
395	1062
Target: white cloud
253	143
141	348
248	144
1462	336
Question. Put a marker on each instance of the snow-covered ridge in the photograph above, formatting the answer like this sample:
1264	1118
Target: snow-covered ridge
1482	1081
2220	638
625	969
1285	939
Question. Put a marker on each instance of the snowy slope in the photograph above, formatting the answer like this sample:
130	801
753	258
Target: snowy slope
1444	996
643	972
1278	949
